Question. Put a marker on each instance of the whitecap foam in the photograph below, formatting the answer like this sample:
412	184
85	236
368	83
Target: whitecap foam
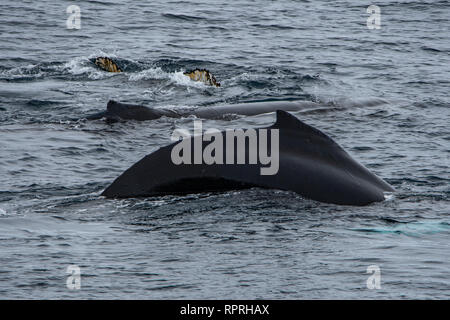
181	79
83	65
177	77
388	196
152	73
21	71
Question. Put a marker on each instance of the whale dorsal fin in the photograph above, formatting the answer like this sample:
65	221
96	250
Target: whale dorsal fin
285	120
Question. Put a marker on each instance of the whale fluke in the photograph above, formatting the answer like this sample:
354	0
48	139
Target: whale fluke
310	164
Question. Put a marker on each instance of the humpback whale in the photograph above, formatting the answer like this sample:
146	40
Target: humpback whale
116	111
310	164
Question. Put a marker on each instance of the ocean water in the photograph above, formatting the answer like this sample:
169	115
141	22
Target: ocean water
245	244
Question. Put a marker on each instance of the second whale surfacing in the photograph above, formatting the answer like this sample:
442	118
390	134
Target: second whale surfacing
116	111
310	164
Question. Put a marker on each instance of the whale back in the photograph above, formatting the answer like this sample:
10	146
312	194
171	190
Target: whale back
131	112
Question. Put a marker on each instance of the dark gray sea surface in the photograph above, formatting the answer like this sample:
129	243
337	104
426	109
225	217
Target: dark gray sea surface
244	244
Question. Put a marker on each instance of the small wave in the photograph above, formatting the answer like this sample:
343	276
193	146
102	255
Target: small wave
30	71
183	17
148	74
41	103
273	26
180	79
76	66
412	228
251	81
430	49
84	66
388	196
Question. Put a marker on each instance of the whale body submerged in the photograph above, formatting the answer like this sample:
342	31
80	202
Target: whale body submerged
310	164
116	111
